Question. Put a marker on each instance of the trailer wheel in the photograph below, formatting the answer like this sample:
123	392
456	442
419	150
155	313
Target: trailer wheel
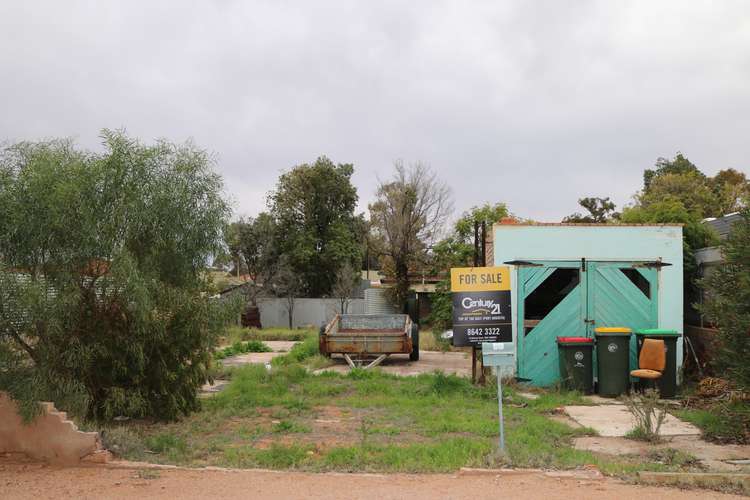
414	354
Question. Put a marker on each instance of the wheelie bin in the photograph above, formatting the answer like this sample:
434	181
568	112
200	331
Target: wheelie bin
668	382
576	363
613	360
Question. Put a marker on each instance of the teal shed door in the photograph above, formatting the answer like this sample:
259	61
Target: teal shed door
560	299
622	294
551	304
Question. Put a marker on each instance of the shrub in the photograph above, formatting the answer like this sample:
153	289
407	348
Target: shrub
728	303
101	259
649	415
123	442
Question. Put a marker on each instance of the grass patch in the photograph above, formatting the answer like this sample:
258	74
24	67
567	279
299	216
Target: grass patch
671	456
721	422
447	455
241	348
276	457
171	446
366	420
308	348
290	427
238	334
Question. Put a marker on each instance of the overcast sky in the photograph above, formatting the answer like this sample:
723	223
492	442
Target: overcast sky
532	103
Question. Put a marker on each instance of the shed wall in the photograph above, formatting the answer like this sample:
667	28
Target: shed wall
599	243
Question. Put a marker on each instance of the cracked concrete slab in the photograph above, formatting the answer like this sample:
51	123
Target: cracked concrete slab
614	420
727	458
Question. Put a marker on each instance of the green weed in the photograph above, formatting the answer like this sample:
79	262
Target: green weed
290	427
241	348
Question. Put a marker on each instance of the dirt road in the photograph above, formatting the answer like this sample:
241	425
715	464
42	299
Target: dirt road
35	481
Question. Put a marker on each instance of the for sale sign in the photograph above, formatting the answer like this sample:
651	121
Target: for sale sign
481	305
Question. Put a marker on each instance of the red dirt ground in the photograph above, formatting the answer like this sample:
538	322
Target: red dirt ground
20	480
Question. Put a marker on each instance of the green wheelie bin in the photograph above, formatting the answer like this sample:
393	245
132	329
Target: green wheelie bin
576	363
668	382
613	360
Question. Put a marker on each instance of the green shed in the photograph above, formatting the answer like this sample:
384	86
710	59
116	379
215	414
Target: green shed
568	279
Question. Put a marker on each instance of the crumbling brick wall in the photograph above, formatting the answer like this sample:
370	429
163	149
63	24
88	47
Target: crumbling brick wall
50	436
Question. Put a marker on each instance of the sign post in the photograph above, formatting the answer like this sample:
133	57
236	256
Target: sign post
482	317
498	355
501	443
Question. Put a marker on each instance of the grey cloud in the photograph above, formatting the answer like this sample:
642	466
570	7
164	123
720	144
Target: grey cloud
531	103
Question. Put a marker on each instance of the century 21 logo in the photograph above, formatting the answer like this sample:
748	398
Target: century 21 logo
487	306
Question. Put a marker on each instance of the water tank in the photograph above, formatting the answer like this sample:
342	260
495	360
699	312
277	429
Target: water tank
376	302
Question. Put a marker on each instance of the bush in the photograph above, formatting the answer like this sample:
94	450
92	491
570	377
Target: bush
101	259
123	442
649	415
728	304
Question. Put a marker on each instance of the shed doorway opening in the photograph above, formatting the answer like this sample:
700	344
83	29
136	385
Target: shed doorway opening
548	295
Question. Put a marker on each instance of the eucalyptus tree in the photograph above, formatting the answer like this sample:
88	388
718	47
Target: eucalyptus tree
101	273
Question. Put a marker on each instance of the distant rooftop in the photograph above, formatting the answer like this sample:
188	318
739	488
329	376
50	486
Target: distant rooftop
723	225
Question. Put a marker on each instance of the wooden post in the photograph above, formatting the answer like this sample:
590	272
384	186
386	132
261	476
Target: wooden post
473	364
483	262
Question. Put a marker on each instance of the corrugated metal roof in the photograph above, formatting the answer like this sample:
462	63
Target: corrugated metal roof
723	225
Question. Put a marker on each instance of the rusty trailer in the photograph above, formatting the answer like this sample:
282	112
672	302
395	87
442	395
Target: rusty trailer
363	336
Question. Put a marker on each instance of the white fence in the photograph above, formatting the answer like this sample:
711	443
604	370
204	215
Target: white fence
315	312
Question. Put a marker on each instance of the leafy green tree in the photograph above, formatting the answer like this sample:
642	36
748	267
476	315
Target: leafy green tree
732	190
406	218
600	210
728	303
728	191
457	250
313	206
101	276
692	189
695	234
679	165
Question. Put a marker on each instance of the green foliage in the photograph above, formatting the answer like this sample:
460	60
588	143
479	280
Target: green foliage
679	165
101	274
732	190
600	210
237	333
428	423
308	348
457	250
242	348
313	207
722	422
695	234
728	191
728	303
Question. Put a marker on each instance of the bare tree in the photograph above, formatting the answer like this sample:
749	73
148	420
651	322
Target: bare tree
407	217
347	282
287	284
256	245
